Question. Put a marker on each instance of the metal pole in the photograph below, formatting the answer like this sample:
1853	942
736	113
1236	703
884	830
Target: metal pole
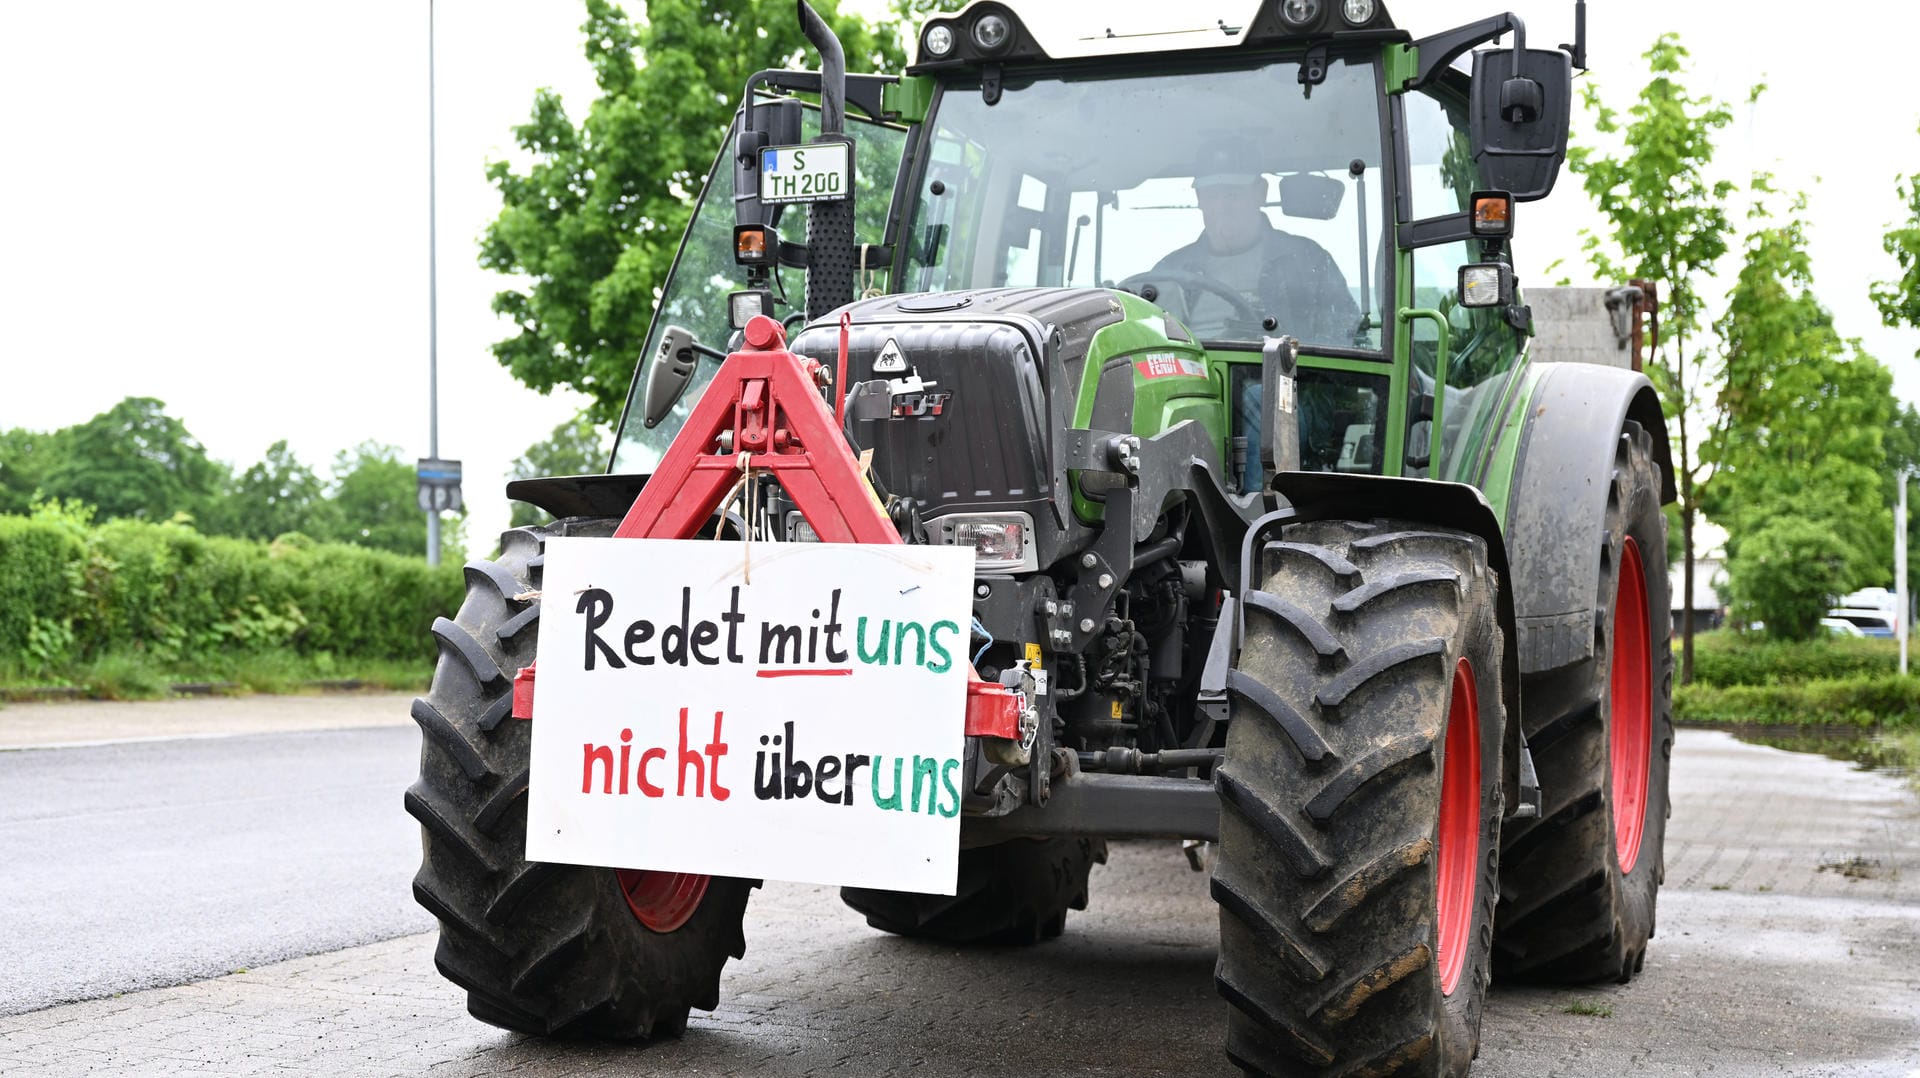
433	303
1900	569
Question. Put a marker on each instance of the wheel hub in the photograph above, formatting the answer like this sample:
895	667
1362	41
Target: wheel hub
1458	838
1630	693
662	901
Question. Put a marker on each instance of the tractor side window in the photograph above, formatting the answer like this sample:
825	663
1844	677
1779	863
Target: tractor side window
1342	416
695	294
1482	348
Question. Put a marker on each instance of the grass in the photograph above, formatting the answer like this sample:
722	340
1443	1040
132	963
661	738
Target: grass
1590	1008
138	676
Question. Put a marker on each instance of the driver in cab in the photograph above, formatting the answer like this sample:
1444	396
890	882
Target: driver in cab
1277	275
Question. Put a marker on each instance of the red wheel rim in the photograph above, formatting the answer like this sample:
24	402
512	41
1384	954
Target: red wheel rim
1459	832
1631	700
661	900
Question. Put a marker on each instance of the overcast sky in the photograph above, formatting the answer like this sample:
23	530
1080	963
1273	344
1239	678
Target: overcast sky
224	204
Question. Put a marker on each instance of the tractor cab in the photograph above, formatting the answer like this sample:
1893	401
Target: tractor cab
1297	169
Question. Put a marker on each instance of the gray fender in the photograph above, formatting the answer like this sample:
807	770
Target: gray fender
1333	495
1556	513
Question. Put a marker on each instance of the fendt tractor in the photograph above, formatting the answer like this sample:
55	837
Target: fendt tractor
1295	537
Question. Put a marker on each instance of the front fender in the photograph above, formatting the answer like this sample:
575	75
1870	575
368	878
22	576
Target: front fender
1557	506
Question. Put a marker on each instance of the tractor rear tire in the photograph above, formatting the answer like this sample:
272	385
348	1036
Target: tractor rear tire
1016	892
1580	881
540	948
1361	801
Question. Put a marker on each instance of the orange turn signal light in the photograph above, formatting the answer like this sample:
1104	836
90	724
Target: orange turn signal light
753	245
1492	213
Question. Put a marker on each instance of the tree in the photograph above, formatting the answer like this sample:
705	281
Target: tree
1669	224
134	460
25	458
596	219
374	497
1786	574
1801	440
280	495
1899	301
576	447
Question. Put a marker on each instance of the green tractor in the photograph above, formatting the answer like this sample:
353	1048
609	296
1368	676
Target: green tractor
1293	533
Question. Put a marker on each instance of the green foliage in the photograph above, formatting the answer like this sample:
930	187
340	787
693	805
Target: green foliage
280	495
129	596
576	447
1728	658
1800	454
595	220
1826	681
1887	702
375	505
1667	223
1785	572
1899	301
134	460
44	555
25	457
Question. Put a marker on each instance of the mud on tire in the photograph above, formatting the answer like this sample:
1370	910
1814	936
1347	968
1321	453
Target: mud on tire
1015	892
1330	863
540	948
1568	912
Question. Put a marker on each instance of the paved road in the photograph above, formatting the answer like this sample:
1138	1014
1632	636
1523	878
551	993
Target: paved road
1768	961
150	863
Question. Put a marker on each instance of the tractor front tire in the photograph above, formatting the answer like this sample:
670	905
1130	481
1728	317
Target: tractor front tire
1016	892
541	948
1579	882
1361	802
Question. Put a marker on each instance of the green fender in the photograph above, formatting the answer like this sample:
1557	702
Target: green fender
1562	447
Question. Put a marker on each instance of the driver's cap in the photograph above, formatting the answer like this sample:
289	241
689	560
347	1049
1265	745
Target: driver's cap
1222	163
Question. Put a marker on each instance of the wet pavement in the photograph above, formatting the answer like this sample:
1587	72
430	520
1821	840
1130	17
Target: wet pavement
1788	943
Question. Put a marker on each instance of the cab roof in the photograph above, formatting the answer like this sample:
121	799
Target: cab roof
1042	30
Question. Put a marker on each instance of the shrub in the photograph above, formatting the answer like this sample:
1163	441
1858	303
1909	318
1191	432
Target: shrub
162	595
1728	658
45	557
1888	701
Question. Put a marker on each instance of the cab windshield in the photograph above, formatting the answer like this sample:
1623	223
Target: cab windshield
1239	201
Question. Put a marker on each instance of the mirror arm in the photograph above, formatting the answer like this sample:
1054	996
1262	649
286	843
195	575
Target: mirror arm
1578	50
1442	49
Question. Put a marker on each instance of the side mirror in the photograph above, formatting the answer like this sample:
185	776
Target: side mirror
668	375
1521	108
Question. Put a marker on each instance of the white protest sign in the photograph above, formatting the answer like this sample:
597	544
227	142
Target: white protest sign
806	726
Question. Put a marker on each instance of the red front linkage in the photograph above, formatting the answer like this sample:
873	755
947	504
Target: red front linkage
769	400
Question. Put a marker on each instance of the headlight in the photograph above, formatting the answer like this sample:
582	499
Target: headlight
992	30
1299	14
1001	542
939	40
1485	284
743	306
1358	12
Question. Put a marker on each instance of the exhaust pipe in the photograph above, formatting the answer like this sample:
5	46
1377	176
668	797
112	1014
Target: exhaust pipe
830	249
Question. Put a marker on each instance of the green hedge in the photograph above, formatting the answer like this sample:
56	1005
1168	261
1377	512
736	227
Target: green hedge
1886	701
1727	658
76	593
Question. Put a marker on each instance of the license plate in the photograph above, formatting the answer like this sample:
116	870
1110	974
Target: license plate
819	172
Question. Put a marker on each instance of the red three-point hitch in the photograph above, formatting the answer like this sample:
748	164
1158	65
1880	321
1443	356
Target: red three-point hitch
768	399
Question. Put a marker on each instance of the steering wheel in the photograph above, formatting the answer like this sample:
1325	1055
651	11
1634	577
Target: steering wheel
1143	285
